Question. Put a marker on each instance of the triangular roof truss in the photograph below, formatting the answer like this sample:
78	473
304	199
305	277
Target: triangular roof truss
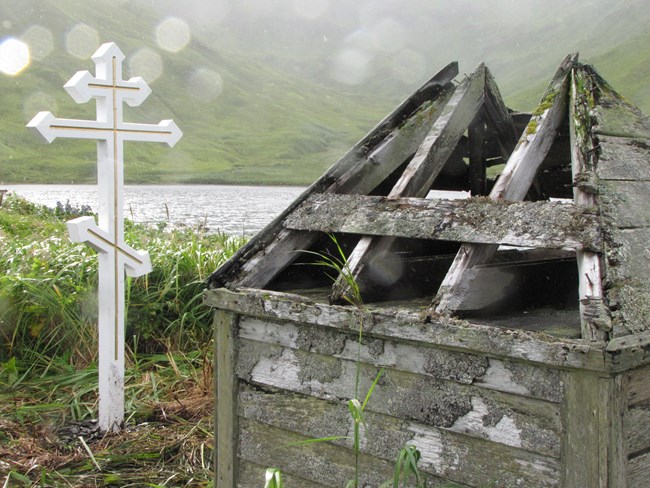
448	129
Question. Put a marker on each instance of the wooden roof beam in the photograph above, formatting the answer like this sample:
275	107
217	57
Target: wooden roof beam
426	164
514	182
548	225
270	251
594	314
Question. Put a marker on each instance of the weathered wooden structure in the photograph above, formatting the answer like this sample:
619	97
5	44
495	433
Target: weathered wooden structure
513	326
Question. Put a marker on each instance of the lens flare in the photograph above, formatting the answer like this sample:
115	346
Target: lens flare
173	34
40	41
205	84
351	66
146	63
82	41
14	56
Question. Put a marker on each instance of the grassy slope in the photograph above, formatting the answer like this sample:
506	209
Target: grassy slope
289	131
282	124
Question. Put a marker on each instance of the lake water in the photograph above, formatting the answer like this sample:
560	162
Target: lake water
236	210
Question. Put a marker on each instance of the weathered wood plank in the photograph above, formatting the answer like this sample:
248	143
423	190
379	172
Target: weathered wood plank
478	220
506	376
323	463
612	414
514	182
251	475
622	158
639	386
637	429
477	164
615	116
629	267
628	202
638	472
414	326
595	320
272	244
498	117
580	419
508	419
225	411
424	167
445	454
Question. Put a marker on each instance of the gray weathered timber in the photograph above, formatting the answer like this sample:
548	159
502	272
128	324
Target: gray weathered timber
272	244
512	420
385	435
251	475
628	270
477	160
414	326
422	169
226	424
594	315
498	117
638	471
514	182
443	364
476	220
623	158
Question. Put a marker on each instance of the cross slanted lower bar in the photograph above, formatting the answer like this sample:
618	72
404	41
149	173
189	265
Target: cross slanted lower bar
110	92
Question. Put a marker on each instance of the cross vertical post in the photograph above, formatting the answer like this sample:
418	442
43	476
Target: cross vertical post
110	91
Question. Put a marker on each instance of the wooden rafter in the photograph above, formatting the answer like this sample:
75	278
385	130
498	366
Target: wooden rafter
426	164
258	262
514	182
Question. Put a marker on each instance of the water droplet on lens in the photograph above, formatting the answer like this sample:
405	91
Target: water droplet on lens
40	41
82	41
146	63
172	34
205	84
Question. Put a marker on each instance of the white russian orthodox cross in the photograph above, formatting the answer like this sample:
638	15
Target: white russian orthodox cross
115	257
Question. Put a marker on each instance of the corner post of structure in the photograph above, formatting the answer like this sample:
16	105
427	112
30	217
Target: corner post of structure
225	407
593	448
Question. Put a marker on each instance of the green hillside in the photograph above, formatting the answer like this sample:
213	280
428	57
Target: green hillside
276	114
265	127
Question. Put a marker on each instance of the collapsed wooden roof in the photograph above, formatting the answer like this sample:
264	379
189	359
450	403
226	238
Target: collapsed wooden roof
584	143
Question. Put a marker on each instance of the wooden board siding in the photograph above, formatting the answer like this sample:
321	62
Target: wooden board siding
306	416
413	326
637	427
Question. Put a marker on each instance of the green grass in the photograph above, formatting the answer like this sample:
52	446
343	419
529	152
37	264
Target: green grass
48	356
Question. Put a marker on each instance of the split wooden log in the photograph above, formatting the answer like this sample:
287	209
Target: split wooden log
417	178
258	262
514	182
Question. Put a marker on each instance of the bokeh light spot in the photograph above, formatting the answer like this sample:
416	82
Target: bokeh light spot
38	102
205	84
14	56
310	9
40	41
81	41
172	34
146	63
409	66
351	66
390	34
